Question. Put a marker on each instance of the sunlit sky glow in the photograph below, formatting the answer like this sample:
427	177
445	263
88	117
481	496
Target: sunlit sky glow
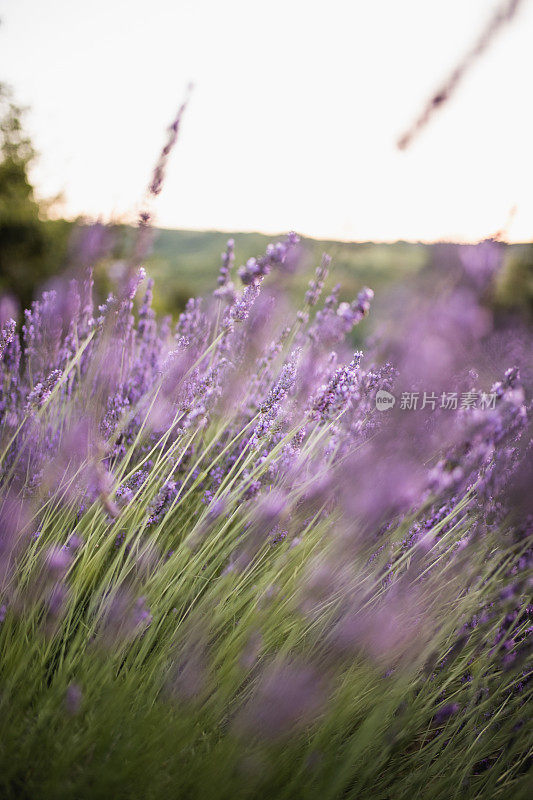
293	121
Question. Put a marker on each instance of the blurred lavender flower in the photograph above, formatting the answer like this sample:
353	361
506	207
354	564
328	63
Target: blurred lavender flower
14	535
445	712
392	629
189	674
73	699
289	697
124	617
225	288
158	176
317	284
482	261
9	309
503	13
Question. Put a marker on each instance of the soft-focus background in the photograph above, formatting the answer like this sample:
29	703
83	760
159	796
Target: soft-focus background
293	124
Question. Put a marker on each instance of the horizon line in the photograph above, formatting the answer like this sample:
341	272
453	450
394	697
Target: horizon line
498	237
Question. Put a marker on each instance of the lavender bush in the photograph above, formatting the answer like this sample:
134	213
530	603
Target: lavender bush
238	559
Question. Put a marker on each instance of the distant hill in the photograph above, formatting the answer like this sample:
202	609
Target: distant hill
185	263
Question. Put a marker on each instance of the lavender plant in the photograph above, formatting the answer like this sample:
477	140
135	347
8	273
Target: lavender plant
225	571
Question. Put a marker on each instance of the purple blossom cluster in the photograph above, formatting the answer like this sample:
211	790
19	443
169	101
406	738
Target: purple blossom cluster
239	417
276	254
133	373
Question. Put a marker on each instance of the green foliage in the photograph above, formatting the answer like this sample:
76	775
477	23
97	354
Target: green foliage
514	288
30	250
184	263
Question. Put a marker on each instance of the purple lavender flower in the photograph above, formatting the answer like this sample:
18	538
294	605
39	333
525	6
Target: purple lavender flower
14	534
391	629
225	286
6	336
335	321
334	396
317	284
239	310
271	407
73	699
289	697
261	437
124	617
41	391
156	184
445	712
257	268
9	309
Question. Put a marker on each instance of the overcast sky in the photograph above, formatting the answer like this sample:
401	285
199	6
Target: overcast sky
293	121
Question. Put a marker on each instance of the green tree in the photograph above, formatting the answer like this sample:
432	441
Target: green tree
31	248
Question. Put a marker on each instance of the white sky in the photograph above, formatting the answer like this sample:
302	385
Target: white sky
294	118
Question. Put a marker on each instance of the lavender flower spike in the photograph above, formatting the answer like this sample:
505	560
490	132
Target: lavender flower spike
257	268
7	335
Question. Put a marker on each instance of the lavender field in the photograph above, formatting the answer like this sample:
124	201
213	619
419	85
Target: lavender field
273	540
240	560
